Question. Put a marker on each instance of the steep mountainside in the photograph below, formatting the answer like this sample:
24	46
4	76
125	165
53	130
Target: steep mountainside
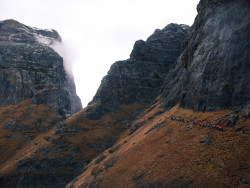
31	69
56	156
176	147
139	79
134	133
213	71
166	152
36	94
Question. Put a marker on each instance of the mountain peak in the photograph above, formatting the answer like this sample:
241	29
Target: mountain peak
14	31
31	69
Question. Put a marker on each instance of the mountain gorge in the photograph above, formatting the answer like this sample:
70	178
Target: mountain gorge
175	114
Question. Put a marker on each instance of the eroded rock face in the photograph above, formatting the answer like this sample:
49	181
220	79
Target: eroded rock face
139	79
163	47
30	68
213	72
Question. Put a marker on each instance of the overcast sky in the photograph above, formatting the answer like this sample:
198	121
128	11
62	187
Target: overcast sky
97	33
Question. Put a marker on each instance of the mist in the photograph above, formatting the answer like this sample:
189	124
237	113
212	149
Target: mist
97	33
68	55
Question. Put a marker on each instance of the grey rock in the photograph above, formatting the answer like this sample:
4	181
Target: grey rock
102	144
222	165
61	129
100	159
31	69
14	126
237	128
213	71
56	141
113	149
110	162
137	178
206	140
45	172
13	136
232	120
246	180
156	126
96	171
135	127
246	113
189	127
162	46
139	79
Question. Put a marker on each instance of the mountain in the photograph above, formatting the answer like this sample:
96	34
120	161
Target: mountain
139	79
213	71
175	114
61	152
196	133
32	69
36	92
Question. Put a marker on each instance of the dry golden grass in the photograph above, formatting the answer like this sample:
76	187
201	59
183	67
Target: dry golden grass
170	156
107	127
15	145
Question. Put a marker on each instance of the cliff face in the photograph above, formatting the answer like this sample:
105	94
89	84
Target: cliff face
213	71
31	69
139	79
168	148
124	138
62	152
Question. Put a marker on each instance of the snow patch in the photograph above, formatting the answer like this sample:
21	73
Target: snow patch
37	29
185	27
44	40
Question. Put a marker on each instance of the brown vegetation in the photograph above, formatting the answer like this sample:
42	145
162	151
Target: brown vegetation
171	156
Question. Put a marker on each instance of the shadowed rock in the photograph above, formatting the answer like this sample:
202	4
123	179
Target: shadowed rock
139	79
31	69
213	72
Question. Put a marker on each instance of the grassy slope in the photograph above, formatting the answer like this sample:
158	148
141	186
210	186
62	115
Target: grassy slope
170	156
13	143
16	149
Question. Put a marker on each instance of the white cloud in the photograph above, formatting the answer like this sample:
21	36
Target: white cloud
96	32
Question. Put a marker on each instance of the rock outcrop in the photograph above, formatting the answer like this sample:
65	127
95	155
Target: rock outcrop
213	72
139	79
125	123
31	69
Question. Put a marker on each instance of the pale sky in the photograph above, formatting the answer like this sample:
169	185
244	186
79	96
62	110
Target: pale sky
96	33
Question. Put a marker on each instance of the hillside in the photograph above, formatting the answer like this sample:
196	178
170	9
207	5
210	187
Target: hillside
36	91
58	154
211	75
171	153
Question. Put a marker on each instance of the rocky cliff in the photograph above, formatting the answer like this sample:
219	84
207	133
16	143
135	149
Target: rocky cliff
139	79
31	69
179	147
124	138
213	71
55	157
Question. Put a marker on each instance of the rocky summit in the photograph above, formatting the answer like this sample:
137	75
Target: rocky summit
32	69
139	79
